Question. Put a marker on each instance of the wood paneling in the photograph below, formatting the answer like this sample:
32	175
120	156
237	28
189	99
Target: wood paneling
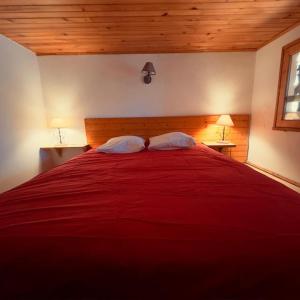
99	130
141	26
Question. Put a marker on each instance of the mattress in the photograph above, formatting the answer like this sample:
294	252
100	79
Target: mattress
181	224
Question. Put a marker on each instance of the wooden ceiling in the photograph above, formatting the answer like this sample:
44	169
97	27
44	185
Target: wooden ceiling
141	26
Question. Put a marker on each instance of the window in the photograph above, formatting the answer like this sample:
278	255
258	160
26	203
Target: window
287	115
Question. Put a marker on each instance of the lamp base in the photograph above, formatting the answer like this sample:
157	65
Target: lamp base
223	142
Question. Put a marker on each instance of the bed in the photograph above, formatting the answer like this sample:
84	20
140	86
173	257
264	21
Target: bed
181	224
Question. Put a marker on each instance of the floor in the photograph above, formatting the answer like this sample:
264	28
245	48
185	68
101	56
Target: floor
291	186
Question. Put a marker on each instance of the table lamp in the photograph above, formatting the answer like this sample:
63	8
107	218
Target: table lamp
224	120
59	124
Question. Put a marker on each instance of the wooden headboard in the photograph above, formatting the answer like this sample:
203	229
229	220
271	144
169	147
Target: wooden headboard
99	130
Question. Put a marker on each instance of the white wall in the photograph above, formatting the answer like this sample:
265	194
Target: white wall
76	87
22	115
275	150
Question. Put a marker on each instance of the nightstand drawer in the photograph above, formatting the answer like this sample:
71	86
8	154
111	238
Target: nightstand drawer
57	155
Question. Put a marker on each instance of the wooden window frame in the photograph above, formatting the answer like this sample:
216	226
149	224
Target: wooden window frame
279	123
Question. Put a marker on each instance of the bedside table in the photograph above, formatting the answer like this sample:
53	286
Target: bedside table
220	147
52	156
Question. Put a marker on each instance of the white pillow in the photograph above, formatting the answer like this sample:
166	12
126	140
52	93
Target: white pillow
123	144
171	141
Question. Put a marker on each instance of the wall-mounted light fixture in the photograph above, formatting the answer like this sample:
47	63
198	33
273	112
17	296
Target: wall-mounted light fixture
148	70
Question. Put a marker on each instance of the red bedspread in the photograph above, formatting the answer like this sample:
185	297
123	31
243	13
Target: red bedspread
185	224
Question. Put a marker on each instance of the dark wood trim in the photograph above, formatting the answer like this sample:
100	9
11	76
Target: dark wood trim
279	123
288	180
286	128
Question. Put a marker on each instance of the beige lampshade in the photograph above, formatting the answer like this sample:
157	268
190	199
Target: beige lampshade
58	123
225	120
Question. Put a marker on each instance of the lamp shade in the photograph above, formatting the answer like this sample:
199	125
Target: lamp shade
58	123
225	120
149	68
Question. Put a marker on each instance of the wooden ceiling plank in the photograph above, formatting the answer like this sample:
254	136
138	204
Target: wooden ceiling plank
140	35
158	31
134	20
155	13
148	6
91	2
213	20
